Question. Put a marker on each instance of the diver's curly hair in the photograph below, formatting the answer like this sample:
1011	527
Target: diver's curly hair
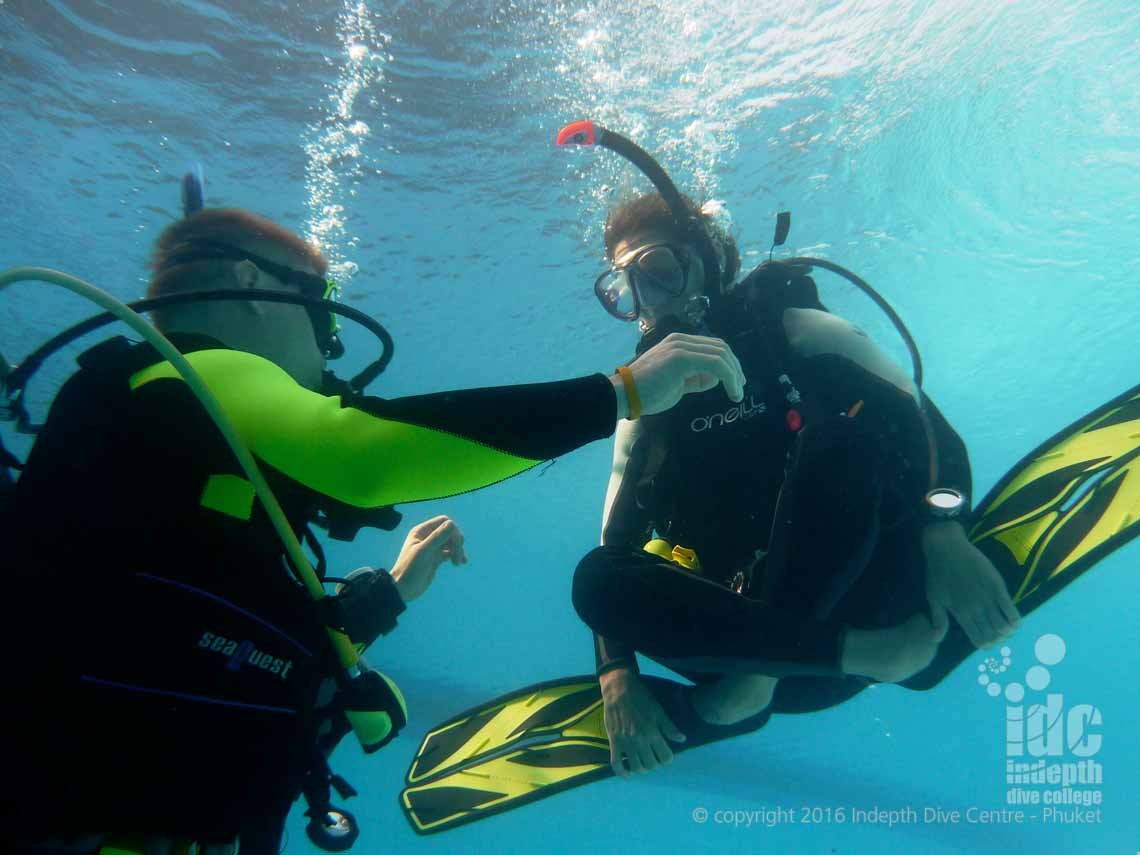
650	212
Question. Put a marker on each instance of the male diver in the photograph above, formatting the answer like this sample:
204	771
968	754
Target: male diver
169	672
800	541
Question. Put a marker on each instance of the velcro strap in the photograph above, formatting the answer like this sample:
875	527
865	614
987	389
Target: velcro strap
365	608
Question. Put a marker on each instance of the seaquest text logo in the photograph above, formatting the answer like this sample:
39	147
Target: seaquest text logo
244	653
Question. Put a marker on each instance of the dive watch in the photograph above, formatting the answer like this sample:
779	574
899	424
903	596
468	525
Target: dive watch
945	503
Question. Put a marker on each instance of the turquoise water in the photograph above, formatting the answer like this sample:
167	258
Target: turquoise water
980	167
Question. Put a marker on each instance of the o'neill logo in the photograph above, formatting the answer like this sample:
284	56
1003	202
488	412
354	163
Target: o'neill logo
244	653
746	409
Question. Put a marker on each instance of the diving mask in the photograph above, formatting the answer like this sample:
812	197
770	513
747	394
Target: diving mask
645	276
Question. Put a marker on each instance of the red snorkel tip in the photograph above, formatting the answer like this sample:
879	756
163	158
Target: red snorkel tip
578	133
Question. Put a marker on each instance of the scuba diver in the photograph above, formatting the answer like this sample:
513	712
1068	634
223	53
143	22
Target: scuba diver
177	681
783	551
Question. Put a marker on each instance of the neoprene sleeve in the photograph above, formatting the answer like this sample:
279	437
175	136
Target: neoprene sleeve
368	452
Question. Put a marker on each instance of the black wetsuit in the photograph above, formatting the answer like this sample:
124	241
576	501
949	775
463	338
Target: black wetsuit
803	518
163	662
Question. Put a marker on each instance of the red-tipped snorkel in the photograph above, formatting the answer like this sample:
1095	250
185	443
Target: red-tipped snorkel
587	133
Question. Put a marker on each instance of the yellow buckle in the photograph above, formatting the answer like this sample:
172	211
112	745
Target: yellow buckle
679	555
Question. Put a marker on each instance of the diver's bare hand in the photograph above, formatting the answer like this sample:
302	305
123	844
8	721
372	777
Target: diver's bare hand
638	727
427	546
678	365
962	581
895	653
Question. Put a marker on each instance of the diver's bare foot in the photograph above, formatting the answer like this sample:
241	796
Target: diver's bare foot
733	698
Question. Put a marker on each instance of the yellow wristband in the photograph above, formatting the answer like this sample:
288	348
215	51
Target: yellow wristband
630	392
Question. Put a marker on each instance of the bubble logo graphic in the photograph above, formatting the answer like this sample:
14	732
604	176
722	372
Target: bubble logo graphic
1049	650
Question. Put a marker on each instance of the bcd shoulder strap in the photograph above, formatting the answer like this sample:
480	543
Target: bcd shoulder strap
767	292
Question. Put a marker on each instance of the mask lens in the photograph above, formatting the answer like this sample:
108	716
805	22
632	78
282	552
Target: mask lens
615	291
660	267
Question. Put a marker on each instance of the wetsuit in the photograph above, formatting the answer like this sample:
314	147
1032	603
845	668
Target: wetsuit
163	661
803	518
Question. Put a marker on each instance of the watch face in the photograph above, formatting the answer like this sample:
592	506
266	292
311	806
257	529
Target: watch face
944	502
